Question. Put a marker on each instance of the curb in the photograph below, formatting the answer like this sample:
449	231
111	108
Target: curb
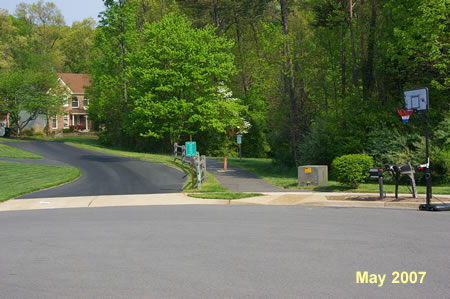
168	199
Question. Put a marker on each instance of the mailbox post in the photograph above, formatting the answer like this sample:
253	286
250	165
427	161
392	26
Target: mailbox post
378	173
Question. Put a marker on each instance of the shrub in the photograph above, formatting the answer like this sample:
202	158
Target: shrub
77	127
352	169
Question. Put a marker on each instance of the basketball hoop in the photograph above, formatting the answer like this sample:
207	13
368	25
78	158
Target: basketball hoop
405	114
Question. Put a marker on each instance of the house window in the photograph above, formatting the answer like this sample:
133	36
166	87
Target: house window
66	101
85	102
66	121
55	122
74	102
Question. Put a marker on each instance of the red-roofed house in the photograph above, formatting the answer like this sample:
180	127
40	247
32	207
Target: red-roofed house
75	114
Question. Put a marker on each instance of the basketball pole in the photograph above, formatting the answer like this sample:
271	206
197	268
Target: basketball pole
418	100
428	206
428	170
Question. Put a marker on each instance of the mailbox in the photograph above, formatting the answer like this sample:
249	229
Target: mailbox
421	167
406	167
375	172
392	167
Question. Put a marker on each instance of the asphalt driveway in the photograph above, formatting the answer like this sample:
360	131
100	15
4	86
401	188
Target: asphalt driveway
102	174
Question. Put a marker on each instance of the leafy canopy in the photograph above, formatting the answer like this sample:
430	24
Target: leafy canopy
176	80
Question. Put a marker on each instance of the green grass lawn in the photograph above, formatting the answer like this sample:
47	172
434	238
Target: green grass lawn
17	178
12	152
287	178
11	139
224	195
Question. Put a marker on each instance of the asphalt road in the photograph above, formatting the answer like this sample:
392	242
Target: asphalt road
221	252
102	174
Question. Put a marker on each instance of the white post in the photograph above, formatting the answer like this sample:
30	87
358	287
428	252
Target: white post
86	117
175	151
199	172
73	120
203	158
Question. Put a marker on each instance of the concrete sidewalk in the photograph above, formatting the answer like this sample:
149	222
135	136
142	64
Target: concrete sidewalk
270	198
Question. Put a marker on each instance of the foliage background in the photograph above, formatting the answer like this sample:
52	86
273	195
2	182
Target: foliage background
313	79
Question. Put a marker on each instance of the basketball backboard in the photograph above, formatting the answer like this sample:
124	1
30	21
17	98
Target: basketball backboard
416	99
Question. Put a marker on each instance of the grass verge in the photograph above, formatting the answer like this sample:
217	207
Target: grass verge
286	177
18	178
224	195
11	139
12	152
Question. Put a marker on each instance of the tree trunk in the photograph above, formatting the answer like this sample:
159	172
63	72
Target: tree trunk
343	79
239	44
368	77
352	38
123	53
290	80
216	14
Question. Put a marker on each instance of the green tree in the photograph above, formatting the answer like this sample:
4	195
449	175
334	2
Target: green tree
115	37
76	44
177	82
10	41
45	21
27	91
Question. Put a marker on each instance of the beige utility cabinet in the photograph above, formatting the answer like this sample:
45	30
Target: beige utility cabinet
313	175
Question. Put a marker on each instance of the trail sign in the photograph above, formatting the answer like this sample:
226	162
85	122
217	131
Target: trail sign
191	149
239	139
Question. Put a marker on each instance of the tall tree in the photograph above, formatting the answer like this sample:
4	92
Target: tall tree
10	41
352	39
288	71
178	80
27	91
115	36
46	21
76	44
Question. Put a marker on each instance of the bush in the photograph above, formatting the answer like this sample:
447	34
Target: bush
352	169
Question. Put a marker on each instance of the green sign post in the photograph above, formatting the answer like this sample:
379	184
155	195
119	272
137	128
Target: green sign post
191	149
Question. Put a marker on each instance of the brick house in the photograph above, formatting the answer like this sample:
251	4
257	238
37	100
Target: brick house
76	102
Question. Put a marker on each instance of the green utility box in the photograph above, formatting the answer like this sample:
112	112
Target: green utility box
313	175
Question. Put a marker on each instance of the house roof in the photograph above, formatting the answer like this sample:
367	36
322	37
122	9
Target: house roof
76	82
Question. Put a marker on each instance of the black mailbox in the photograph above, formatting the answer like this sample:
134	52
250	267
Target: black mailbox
392	167
375	172
421	167
406	167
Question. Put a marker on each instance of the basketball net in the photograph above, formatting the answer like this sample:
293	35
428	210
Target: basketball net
405	114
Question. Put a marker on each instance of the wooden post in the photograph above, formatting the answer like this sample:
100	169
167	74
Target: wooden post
192	166
199	171
225	163
175	151
183	154
203	158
